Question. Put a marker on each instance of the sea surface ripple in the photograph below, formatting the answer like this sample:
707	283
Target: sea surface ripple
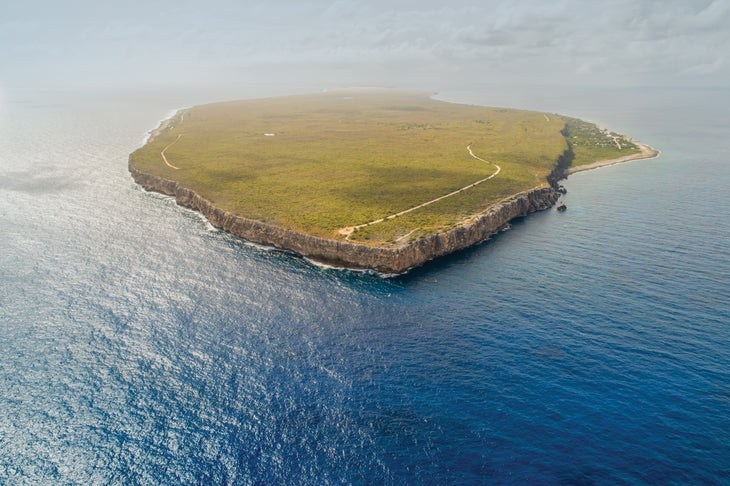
139	346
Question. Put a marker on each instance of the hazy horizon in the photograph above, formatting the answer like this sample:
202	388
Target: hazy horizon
287	46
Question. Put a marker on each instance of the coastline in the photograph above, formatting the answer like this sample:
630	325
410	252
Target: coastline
163	124
348	255
647	152
388	261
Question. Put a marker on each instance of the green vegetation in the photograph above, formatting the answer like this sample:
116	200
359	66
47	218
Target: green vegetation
319	163
590	143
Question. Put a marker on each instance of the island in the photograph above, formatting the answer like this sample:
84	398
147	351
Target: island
373	179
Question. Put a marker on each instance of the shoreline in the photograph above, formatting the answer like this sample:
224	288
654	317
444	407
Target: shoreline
647	152
385	261
163	124
353	256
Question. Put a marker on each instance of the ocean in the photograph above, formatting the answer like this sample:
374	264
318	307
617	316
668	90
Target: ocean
138	345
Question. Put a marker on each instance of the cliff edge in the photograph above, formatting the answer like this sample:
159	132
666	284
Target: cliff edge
348	254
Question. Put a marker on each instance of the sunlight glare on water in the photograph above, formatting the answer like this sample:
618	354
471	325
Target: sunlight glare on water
137	345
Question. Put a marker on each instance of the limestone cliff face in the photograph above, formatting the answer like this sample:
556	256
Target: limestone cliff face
353	255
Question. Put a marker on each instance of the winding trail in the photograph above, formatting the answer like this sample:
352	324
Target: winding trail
615	140
163	153
350	229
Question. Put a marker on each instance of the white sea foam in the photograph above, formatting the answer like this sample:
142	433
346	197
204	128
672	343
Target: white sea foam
208	227
169	115
367	271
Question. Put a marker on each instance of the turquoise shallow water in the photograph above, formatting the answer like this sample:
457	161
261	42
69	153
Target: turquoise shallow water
138	346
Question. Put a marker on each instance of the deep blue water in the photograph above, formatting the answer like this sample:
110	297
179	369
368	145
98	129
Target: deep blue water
139	346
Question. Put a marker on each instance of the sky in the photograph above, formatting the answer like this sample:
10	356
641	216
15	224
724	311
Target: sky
298	44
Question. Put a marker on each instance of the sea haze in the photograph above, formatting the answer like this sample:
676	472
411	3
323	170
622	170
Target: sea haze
140	346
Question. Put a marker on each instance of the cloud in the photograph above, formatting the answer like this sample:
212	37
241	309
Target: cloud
627	41
3	109
707	68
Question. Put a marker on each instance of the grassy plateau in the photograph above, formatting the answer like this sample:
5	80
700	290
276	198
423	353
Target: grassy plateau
323	162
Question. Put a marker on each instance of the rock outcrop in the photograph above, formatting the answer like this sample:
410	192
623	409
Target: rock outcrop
352	255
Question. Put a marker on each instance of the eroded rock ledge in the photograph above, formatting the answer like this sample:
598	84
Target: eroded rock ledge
357	256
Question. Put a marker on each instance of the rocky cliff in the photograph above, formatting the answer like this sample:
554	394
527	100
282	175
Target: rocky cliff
352	255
